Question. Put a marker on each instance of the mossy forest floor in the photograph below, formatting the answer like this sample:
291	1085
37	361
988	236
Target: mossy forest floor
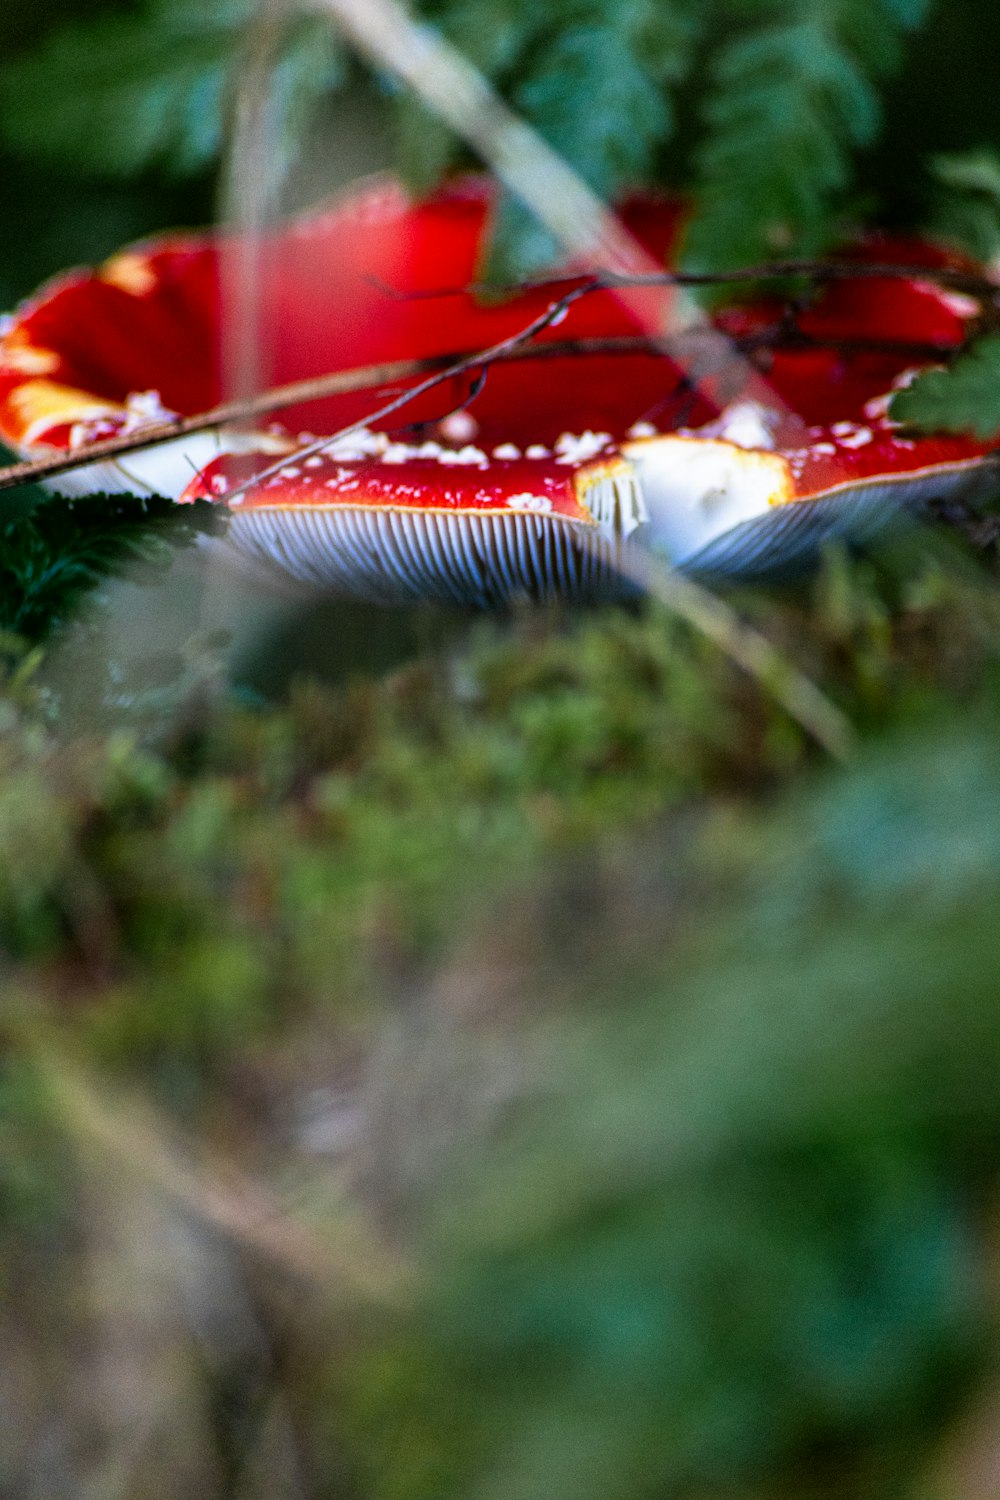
523	1066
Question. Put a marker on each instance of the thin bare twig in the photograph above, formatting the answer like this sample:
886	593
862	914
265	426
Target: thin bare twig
298	393
818	271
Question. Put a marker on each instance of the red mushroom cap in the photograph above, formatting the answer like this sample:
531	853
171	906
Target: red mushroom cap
539	485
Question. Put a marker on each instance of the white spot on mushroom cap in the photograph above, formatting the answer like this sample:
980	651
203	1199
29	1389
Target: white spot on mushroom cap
145	408
959	303
361	443
572	449
537	503
876	410
467	455
745	424
459	427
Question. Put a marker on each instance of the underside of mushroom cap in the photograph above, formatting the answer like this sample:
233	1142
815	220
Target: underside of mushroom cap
741	497
395	522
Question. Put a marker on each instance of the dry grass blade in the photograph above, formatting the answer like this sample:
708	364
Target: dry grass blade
805	703
346	1260
586	230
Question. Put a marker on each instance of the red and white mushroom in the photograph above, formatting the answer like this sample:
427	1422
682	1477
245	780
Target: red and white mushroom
556	468
390	520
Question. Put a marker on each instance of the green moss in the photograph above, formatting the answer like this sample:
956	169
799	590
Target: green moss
723	1226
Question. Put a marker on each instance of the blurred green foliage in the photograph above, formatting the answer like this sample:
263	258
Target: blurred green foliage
671	1056
759	107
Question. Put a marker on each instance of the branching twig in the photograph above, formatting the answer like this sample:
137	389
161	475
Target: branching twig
515	343
817	271
368	377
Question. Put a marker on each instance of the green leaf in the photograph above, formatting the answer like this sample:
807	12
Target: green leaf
965	397
51	559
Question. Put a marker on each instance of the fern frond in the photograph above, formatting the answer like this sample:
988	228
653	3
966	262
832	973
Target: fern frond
963	398
598	91
791	98
595	81
51	559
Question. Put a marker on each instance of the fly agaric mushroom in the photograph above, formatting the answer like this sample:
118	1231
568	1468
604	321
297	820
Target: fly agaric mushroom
543	481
